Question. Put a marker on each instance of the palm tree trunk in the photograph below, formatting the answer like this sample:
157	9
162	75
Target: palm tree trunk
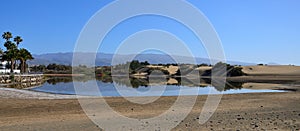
15	64
23	67
16	60
12	66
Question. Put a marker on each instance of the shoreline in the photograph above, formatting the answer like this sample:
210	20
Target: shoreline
12	93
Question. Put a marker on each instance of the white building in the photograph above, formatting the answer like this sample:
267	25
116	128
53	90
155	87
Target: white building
4	70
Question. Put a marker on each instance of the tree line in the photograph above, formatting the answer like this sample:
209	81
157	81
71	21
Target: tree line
13	53
136	66
184	69
62	69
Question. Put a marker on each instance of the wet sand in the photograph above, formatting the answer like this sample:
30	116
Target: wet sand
254	111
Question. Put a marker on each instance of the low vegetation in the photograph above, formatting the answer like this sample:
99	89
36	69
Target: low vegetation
219	69
62	69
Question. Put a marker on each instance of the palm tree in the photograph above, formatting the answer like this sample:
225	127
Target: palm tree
18	40
9	45
7	36
10	54
23	56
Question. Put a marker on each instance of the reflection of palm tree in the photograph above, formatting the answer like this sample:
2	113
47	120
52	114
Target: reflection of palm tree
23	56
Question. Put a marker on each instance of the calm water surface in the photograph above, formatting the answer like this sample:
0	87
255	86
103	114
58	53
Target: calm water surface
137	87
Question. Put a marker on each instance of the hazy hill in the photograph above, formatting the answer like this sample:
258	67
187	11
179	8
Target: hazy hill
105	59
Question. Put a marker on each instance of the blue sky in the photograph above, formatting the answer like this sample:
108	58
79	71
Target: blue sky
259	31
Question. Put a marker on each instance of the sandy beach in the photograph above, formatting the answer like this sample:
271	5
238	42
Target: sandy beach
253	111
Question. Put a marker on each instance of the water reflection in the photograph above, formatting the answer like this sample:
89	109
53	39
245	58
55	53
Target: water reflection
170	86
145	82
155	86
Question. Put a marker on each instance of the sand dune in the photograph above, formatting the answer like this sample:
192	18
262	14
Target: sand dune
272	70
172	69
204	68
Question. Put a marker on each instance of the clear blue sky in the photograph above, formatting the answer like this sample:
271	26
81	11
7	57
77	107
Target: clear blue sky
259	31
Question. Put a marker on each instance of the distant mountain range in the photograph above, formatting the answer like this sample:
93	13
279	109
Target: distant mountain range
106	59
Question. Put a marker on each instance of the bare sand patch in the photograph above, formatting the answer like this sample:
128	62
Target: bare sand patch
272	70
172	69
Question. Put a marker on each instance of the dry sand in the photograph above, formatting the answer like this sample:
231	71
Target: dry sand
272	70
259	111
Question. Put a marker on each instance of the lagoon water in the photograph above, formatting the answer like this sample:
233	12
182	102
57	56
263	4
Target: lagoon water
104	88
